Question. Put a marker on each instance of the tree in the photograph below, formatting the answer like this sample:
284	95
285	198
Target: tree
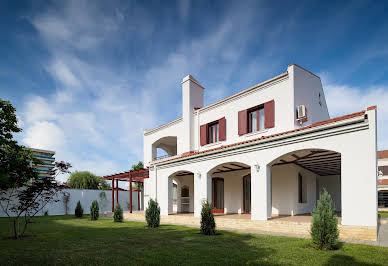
324	228
86	180
208	224
22	192
79	211
137	166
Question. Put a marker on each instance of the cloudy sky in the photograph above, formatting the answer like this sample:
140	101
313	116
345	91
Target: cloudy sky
87	77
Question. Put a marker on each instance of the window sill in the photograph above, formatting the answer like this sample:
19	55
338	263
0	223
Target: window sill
212	144
256	133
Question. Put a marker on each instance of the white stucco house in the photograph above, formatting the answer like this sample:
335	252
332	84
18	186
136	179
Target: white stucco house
265	151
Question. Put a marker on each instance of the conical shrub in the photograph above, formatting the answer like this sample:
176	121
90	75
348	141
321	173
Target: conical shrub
324	228
118	214
208	224
153	214
94	210
79	211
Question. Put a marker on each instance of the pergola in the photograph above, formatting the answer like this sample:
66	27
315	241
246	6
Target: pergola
130	176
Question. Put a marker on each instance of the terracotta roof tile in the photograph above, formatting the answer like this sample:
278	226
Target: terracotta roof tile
320	123
382	182
382	154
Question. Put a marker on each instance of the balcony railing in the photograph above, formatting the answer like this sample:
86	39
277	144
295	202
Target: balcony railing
157	158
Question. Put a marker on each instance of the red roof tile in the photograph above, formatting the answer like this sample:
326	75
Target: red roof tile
320	123
382	154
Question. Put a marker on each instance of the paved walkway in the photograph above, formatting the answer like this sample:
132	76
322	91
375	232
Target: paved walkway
383	235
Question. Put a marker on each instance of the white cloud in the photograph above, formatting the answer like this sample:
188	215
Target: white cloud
63	74
44	135
38	109
343	99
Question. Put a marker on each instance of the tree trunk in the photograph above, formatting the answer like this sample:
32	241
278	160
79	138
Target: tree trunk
15	230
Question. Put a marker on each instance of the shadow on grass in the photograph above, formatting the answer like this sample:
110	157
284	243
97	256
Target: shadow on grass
80	241
339	259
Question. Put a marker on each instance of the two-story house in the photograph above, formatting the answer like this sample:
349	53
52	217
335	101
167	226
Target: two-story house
265	151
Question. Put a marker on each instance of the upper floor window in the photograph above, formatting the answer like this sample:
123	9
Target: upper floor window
213	132
256	119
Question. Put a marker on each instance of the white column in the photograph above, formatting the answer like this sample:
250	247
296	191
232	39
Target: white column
162	193
202	191
170	195
261	192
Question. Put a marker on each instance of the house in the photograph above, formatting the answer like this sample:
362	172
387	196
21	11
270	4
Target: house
47	166
266	151
382	179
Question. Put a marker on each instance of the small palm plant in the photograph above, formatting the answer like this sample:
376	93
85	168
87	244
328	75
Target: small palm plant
208	224
324	228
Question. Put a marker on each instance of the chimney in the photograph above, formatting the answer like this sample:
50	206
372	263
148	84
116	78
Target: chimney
192	98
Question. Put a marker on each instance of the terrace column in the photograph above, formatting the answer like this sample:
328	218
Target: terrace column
113	194
260	191
138	196
117	191
202	191
130	194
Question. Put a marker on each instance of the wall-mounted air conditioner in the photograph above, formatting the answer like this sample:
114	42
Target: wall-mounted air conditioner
301	114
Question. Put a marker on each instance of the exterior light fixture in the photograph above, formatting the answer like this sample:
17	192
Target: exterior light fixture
257	166
199	175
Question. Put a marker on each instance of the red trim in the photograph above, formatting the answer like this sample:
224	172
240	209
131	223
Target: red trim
321	123
113	194
222	128
242	122
371	107
130	194
203	134
117	191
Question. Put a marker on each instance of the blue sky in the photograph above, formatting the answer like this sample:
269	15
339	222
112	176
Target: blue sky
87	77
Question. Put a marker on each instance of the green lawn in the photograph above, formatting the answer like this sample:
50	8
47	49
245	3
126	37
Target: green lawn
66	240
383	214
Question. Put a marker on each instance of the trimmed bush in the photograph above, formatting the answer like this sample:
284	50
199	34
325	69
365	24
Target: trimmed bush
153	214
78	210
94	210
324	228
208	224
118	214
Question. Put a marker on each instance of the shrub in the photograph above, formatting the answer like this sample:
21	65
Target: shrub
153	214
78	210
324	228
94	210
118	214
208	225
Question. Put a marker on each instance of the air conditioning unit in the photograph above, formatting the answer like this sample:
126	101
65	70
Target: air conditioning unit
301	114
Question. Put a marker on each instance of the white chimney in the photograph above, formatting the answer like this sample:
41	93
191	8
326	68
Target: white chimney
192	98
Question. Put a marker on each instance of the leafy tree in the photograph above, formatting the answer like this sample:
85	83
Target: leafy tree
118	214
94	210
208	224
324	228
153	214
86	180
79	211
22	192
137	166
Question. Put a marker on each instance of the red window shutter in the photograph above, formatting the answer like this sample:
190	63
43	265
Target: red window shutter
222	128
269	113
203	134
242	122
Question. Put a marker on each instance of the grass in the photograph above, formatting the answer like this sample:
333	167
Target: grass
383	214
68	240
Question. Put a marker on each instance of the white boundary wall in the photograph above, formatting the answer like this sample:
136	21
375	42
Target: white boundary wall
86	197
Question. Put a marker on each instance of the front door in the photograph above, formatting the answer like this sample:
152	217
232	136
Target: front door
218	195
247	193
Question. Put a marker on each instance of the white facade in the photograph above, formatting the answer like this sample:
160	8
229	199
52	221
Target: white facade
286	163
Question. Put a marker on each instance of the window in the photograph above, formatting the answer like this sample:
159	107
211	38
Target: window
213	133
256	119
302	195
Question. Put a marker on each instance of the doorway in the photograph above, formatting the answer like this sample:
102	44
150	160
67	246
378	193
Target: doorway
247	194
218	195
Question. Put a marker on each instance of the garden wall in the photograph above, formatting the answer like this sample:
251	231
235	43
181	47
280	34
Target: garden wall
86	196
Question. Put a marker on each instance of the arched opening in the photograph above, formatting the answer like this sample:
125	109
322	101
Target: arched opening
181	192
164	147
231	190
298	178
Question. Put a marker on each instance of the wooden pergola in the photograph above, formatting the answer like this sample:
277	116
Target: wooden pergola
130	176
